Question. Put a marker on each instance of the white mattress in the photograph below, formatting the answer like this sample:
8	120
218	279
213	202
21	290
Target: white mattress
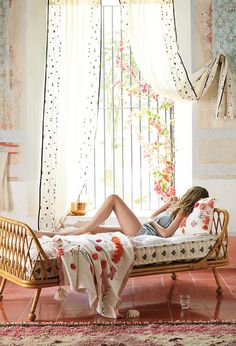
150	249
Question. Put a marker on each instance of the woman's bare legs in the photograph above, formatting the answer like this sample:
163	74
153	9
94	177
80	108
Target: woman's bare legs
128	222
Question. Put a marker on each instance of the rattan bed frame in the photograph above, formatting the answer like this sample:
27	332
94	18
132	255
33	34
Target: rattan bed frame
17	265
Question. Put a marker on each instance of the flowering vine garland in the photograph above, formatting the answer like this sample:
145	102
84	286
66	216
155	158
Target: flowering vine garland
158	152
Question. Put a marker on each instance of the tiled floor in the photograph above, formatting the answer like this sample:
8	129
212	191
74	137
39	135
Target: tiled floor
156	298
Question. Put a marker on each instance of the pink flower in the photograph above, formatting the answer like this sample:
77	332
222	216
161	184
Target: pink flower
155	96
158	187
211	203
206	219
112	272
132	71
193	223
168	192
147	155
94	256
121	46
60	251
202	206
73	266
144	88
103	263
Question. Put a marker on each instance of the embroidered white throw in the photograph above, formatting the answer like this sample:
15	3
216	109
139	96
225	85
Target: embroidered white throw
100	263
4	192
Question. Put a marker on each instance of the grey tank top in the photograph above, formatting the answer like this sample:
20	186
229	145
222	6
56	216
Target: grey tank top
164	219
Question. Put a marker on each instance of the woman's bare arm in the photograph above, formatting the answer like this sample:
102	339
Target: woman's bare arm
159	211
164	206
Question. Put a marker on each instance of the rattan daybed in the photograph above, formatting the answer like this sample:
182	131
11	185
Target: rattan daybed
39	271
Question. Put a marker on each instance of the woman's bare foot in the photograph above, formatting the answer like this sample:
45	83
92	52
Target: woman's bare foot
70	231
40	234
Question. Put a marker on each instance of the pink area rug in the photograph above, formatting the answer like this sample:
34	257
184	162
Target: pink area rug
119	334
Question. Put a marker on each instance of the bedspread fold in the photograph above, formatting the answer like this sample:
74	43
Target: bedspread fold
100	264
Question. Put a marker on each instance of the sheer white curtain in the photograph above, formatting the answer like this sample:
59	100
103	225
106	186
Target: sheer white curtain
70	112
153	37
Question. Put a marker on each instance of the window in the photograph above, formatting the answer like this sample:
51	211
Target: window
119	163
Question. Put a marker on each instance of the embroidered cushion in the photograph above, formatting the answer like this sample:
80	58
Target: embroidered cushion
200	220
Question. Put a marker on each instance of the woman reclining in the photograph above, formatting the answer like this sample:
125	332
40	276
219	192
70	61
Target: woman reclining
163	222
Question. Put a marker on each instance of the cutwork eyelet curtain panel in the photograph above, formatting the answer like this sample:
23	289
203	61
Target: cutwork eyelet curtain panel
153	38
70	108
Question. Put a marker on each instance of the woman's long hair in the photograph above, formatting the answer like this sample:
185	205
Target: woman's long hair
187	201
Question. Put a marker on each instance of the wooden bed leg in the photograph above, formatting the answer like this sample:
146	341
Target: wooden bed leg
32	315
3	283
217	308
173	276
219	289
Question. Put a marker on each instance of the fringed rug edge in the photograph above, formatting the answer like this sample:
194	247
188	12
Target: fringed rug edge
116	323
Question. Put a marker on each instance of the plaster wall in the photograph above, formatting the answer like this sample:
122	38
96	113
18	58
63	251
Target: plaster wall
24	189
214	141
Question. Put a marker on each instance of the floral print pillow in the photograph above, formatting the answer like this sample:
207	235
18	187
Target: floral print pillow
200	220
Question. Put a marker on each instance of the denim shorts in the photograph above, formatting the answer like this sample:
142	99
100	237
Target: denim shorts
147	229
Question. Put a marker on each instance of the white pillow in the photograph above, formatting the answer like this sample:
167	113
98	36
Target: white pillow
200	220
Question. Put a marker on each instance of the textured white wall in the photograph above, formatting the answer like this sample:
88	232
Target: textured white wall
206	147
24	191
214	141
35	62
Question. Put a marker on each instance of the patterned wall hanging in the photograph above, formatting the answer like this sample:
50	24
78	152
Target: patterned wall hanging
4	68
12	72
13	110
224	30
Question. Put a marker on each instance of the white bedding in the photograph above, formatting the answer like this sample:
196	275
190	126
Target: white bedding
147	250
151	249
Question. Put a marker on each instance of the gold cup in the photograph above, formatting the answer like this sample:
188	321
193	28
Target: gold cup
78	208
